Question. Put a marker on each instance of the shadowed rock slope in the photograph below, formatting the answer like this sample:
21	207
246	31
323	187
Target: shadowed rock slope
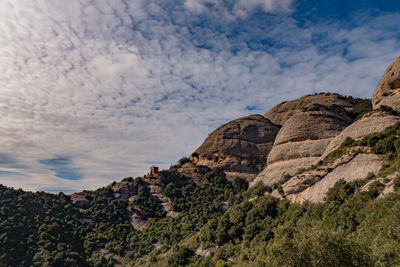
240	147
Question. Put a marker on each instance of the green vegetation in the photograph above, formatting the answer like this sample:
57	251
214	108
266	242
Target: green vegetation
256	230
387	109
227	223
384	143
183	160
40	229
362	107
47	230
346	230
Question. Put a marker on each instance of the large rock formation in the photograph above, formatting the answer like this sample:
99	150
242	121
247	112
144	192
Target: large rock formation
315	184
370	123
303	139
283	111
240	147
387	92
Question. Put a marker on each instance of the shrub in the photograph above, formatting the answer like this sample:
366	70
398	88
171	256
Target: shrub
370	176
180	257
396	182
183	160
128	179
258	189
348	142
388	109
280	190
375	189
363	106
340	191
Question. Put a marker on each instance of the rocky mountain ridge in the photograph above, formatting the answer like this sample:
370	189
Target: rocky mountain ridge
276	148
324	173
304	132
286	149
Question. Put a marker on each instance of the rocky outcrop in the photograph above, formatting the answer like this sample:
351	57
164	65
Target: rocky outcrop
195	172
314	122
273	173
283	111
124	190
240	147
80	201
313	185
303	139
370	123
296	150
387	92
387	183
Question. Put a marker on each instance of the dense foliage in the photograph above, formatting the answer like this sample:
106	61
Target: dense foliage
39	229
46	229
350	229
216	222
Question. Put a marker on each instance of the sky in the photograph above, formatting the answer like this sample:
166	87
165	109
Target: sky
92	91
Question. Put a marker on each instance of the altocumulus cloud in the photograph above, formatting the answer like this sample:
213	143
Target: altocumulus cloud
92	91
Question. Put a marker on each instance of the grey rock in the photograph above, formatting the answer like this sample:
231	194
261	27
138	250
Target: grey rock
283	111
240	147
387	92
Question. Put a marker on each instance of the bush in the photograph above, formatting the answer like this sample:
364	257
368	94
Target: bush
388	109
375	189
308	245
370	176
340	191
363	106
280	190
180	257
258	189
348	142
396	182
183	161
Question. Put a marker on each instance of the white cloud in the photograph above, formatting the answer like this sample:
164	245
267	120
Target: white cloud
116	85
243	7
238	8
196	6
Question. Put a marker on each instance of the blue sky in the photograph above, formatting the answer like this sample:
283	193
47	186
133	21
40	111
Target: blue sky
95	91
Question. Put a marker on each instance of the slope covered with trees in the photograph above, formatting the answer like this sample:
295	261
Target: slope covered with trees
351	228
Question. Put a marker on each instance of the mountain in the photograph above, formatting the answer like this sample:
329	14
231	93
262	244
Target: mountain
240	147
305	133
387	91
313	182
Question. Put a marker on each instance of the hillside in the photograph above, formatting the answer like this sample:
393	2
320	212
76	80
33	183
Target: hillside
313	182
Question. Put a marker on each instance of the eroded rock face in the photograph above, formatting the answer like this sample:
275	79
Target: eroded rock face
273	173
283	111
240	147
387	92
302	140
370	123
314	188
314	122
296	150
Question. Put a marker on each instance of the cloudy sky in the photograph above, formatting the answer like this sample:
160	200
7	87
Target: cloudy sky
93	91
